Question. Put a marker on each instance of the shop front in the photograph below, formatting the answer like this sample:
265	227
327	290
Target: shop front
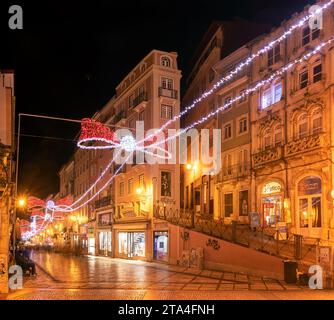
309	206
132	245
105	243
104	234
91	241
272	199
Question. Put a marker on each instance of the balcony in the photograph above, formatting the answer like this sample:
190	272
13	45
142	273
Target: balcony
234	172
121	116
103	202
266	156
306	144
117	169
137	102
168	93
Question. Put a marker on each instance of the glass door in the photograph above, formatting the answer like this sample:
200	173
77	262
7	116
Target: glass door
310	211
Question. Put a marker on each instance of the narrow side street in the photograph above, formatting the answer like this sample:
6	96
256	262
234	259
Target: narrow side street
98	278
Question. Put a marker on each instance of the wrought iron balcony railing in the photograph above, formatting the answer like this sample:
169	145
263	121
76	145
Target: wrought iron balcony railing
139	99
103	202
119	116
234	172
169	93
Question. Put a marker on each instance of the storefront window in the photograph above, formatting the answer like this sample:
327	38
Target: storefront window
123	243
91	246
105	242
131	244
272	199
138	244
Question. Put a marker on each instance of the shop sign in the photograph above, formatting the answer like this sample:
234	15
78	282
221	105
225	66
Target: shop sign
309	185
271	187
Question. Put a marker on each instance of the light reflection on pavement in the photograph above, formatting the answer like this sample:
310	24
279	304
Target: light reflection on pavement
98	278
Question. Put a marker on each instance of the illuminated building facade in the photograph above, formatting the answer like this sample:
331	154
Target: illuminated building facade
150	93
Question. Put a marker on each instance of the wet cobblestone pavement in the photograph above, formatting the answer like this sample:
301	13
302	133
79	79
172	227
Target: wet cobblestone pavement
98	278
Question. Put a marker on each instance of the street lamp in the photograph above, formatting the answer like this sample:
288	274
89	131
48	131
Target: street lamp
22	202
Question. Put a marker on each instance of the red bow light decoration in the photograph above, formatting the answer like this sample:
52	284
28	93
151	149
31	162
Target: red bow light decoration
93	133
91	128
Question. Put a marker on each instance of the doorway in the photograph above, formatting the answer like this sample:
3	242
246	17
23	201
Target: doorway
160	246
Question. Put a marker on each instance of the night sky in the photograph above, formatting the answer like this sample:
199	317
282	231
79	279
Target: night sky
70	55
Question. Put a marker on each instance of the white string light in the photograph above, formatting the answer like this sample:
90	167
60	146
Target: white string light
126	145
242	65
250	90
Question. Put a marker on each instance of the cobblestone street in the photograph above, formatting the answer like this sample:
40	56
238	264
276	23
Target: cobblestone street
98	278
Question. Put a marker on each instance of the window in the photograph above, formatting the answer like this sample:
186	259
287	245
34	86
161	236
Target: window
130	186
242	161
166	112
167	83
266	98
165	62
242	125
211	75
166	184
303	79
228	204
143	68
132	123
267	139
141	115
141	181
317	122
317	73
121	189
308	35
228	131
243	96
227	102
274	55
227	165
203	86
278	136
272	95
302	126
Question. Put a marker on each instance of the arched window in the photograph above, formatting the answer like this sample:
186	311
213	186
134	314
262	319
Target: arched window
267	139
165	62
278	136
316	121
132	78
302	126
142	68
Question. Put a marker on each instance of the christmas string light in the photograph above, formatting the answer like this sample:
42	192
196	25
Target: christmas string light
95	132
105	135
71	209
250	90
244	64
259	85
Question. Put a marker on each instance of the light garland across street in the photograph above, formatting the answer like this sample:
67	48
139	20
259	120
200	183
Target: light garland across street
250	90
245	64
